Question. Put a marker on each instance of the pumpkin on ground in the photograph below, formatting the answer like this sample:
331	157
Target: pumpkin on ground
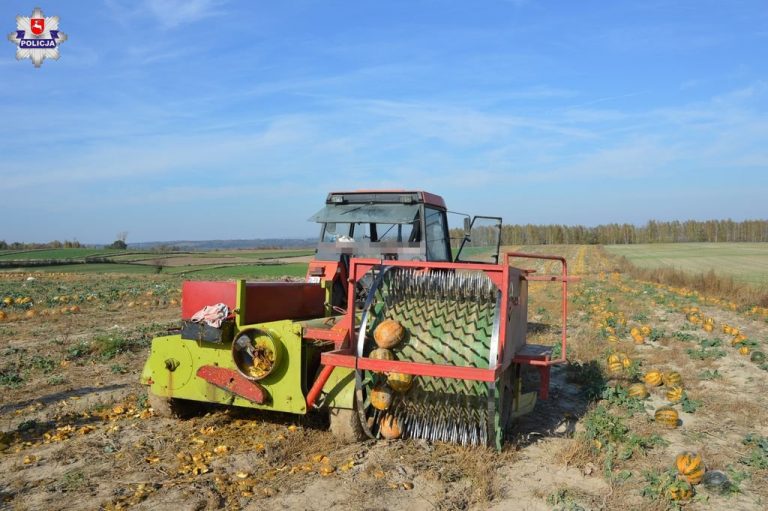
680	491
667	417
645	330
673	378
653	378
388	334
690	467
675	394
744	350
638	390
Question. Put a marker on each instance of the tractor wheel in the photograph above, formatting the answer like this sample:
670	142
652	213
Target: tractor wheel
345	425
171	407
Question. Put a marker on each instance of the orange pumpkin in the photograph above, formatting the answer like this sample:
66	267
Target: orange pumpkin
744	350
388	334
389	427
381	397
690	467
653	378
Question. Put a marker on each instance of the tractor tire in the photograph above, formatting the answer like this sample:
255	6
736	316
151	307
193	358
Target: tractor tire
345	425
170	407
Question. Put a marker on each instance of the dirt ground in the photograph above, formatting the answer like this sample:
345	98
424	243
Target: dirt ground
76	431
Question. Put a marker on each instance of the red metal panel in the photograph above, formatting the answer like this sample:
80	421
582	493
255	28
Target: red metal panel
324	269
234	382
273	301
344	358
197	294
337	334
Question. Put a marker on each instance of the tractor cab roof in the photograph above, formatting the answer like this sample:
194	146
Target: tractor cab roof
386	197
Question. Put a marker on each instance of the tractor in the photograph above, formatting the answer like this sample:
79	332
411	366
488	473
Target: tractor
397	330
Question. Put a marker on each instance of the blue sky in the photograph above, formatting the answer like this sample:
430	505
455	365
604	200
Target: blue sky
205	119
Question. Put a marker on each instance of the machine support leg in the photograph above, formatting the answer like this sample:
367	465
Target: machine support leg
317	387
544	386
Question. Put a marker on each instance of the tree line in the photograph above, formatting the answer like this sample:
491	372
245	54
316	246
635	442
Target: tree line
31	246
623	234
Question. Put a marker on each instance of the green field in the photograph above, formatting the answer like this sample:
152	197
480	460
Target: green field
745	262
56	253
210	264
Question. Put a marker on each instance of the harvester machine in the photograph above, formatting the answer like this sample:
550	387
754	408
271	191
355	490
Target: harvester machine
389	332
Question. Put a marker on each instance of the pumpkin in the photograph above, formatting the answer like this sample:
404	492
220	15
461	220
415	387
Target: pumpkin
727	328
758	357
738	339
635	331
653	378
613	339
400	382
638	390
381	397
667	416
639	339
31	313
708	327
381	354
615	367
625	361
3	315
389	427
388	334
673	378
679	491
744	350
645	330
690	467
675	394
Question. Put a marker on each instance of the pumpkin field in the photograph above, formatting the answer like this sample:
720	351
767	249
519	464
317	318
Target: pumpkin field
663	404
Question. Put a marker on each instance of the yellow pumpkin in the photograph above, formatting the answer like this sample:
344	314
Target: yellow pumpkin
673	378
744	350
738	339
638	339
613	339
690	467
615	367
638	390
389	427
708	327
381	354
388	334
680	491
3	315
667	417
400	382
653	378
634	331
727	328
645	330
675	394
381	397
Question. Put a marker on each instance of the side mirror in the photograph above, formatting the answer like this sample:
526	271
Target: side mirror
467	226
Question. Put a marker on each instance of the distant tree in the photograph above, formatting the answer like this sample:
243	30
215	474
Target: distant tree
120	243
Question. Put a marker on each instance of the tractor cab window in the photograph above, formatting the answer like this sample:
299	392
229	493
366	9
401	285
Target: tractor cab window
335	230
437	235
383	232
